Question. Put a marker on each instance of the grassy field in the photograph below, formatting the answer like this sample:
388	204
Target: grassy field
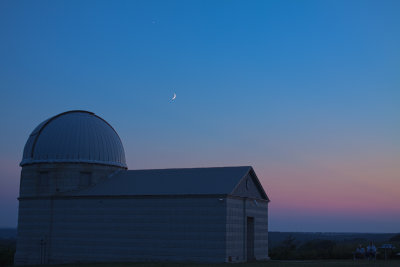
272	263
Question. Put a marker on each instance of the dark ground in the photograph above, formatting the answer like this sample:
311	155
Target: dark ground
272	263
286	249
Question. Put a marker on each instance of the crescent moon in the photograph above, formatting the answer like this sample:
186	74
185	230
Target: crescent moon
173	97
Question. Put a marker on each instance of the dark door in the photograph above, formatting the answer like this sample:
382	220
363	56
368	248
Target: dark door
250	238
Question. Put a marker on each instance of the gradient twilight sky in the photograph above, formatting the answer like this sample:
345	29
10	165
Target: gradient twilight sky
307	92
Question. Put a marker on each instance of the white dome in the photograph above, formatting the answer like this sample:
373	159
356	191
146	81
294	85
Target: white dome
74	137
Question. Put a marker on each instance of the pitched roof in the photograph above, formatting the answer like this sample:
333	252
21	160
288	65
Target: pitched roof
188	181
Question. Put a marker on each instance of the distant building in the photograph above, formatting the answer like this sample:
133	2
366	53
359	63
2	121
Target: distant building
79	203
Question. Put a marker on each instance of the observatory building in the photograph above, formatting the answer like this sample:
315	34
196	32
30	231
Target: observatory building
79	203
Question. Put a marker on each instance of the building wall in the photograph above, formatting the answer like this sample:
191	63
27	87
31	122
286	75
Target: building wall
34	219
122	229
52	179
238	209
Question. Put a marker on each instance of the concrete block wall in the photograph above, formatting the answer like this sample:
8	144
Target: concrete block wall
34	229
123	229
51	179
238	209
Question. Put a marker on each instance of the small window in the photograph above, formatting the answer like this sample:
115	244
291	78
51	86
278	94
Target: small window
247	183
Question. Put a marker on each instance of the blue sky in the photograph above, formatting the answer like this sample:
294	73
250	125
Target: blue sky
307	92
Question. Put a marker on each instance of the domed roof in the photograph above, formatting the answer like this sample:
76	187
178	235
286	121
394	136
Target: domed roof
74	137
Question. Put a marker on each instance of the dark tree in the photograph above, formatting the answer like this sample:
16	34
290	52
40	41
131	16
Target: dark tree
395	238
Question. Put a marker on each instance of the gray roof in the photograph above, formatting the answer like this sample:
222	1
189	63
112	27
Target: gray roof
74	137
188	181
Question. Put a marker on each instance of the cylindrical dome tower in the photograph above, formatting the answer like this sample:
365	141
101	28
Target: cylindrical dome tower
68	152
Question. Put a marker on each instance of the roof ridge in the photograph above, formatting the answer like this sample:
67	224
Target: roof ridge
194	168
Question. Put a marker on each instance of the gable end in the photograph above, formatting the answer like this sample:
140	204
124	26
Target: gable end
250	186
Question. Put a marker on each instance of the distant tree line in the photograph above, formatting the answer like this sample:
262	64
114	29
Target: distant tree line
292	249
288	249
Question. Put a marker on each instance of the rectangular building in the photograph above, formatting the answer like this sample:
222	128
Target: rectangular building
190	215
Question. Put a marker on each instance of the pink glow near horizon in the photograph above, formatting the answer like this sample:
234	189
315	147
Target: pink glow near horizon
360	188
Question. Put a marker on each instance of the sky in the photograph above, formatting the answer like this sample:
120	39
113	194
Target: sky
306	92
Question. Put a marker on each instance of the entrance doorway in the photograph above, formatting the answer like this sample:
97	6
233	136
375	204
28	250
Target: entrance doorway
250	238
